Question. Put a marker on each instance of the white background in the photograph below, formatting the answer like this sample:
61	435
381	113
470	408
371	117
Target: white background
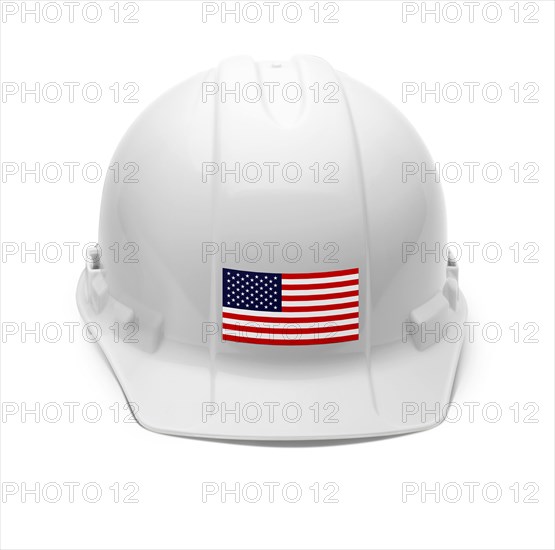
371	43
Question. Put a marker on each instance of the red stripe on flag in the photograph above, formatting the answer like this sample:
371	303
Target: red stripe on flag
316	286
320	274
272	342
319	308
274	330
269	319
304	297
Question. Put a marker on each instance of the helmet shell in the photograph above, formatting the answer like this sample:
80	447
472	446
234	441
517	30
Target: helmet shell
177	226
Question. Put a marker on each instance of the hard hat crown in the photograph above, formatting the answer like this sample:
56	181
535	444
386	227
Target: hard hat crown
231	177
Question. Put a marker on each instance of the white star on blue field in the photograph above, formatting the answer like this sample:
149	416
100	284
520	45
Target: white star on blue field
251	290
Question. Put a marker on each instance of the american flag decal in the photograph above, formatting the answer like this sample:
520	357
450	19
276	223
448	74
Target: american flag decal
290	309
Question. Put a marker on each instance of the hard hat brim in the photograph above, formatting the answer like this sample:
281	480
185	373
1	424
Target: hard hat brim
181	390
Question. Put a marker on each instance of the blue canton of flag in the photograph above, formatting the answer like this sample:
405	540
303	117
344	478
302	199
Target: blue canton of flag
251	290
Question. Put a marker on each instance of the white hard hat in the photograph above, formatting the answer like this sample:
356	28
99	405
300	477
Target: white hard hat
267	268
